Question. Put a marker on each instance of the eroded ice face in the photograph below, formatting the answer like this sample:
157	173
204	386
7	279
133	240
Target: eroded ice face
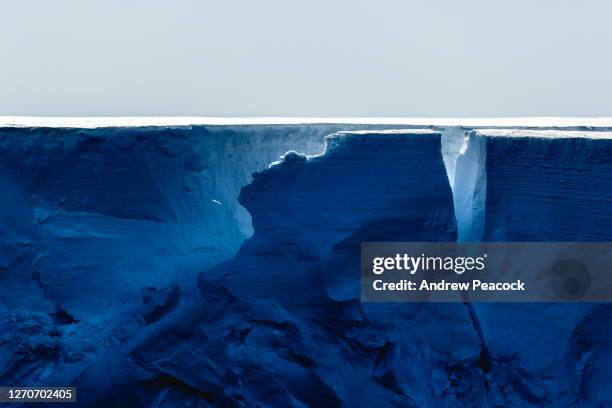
99	226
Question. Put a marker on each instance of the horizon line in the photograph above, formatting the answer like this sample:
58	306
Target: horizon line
147	121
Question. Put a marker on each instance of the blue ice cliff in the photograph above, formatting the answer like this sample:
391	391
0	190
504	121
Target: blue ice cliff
524	186
166	266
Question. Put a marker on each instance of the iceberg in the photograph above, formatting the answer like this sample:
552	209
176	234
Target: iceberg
168	262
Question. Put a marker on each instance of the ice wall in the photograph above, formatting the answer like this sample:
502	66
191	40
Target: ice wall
551	186
281	324
540	185
325	206
100	229
104	230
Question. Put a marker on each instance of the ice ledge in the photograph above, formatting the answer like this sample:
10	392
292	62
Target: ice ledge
94	122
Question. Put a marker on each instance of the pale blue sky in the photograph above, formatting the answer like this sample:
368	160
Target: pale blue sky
306	58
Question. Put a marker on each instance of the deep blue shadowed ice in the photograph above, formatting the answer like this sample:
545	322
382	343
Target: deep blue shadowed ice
151	267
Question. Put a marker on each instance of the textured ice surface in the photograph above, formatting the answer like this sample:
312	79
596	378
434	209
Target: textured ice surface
103	232
93	220
541	186
322	208
281	324
559	179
